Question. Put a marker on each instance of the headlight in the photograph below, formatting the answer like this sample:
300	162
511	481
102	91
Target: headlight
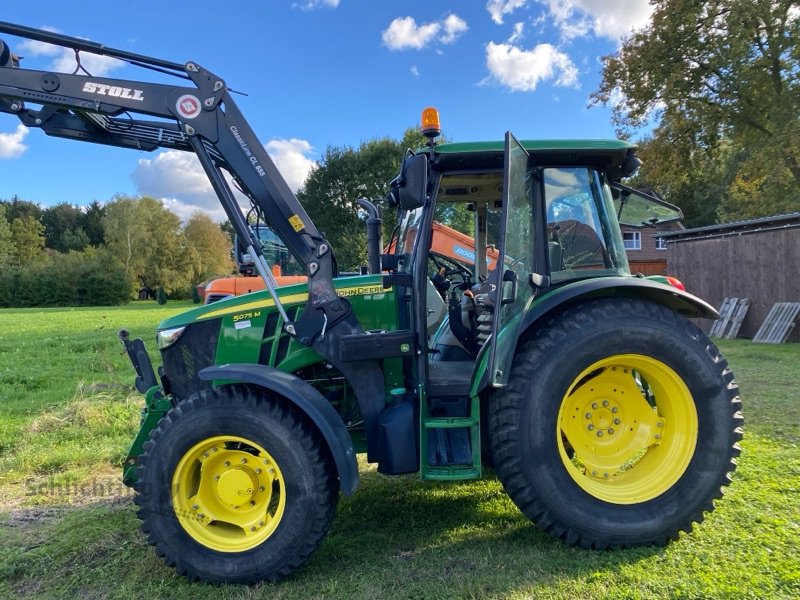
167	337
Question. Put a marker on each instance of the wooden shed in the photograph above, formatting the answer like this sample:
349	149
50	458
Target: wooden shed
757	259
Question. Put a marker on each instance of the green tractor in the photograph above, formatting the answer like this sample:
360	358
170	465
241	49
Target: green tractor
609	417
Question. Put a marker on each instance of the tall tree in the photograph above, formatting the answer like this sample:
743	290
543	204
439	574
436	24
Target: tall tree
27	237
6	243
722	78
208	246
93	223
344	175
147	240
17	207
63	225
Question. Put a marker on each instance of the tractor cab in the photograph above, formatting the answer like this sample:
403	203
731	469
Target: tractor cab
535	217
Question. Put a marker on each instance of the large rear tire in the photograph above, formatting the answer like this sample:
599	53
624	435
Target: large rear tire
235	486
619	427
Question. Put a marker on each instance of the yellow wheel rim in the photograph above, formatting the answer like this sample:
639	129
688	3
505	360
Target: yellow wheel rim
627	429
228	493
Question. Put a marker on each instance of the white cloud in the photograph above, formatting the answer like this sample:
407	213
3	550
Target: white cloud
414	70
517	34
185	211
498	8
454	26
404	32
178	180
11	144
315	4
522	70
612	20
64	58
291	158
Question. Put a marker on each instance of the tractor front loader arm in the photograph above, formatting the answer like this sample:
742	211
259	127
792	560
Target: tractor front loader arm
203	118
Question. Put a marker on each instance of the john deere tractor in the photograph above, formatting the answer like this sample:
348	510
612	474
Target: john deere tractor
609	417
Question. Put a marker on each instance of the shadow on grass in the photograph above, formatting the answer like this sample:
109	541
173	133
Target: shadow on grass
396	537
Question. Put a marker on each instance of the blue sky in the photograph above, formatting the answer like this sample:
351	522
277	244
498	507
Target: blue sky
323	73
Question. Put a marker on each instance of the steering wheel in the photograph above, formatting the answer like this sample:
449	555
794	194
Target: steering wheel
451	267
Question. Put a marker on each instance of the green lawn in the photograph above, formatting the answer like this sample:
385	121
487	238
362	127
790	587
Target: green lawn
68	528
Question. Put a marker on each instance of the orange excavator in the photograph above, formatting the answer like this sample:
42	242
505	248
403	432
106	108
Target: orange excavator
447	243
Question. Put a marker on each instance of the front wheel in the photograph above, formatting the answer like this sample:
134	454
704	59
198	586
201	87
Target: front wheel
619	426
235	486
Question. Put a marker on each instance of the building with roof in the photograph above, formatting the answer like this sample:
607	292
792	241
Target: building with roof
757	259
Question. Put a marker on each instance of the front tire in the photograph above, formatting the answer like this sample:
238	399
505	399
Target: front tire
235	486
619	427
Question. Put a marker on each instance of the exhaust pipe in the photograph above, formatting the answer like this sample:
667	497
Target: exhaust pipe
373	235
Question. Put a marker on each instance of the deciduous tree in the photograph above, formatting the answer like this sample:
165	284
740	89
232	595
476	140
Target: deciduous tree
344	175
27	237
722	78
209	248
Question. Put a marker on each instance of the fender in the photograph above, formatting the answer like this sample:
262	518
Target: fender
688	305
681	302
308	400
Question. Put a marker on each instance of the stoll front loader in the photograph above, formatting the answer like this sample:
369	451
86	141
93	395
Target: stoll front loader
610	419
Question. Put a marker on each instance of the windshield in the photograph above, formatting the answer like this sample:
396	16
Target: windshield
638	210
407	230
275	251
583	235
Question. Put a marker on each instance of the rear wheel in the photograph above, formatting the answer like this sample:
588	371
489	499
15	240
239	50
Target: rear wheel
619	426
235	487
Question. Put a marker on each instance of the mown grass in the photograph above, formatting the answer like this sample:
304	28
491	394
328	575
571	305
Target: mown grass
68	529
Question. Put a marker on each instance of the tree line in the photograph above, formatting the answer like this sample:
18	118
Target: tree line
714	84
720	80
104	254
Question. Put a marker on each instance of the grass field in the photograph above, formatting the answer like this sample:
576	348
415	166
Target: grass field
68	528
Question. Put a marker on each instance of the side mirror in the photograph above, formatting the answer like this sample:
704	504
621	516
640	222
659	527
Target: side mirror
412	184
630	164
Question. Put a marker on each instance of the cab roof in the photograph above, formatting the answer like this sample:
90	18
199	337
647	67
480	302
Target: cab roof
605	154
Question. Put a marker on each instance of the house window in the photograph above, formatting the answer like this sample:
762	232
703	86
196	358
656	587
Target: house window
661	243
633	240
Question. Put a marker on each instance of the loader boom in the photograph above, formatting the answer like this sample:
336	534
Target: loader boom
202	118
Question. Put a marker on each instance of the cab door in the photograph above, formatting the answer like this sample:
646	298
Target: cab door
516	263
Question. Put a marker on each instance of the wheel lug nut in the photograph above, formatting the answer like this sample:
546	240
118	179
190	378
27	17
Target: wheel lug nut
227	463
261	488
658	437
605	402
252	529
244	461
261	523
599	434
616	421
216	477
195	506
214	449
659	424
614	410
590	427
201	516
205	454
605	475
594	405
252	502
610	430
594	473
258	471
266	462
588	415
